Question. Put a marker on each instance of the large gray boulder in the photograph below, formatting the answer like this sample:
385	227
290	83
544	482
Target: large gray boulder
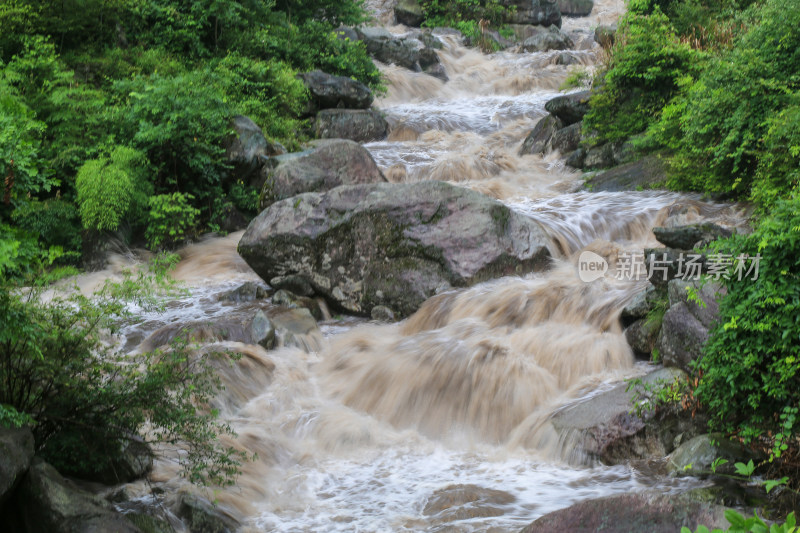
543	40
682	338
359	125
642	335
696	455
539	12
628	513
538	140
575	8
392	245
48	503
331	163
408	12
570	108
328	91
386	48
463	502
16	452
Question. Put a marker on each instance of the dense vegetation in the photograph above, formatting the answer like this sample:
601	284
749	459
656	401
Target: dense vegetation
470	17
714	88
113	119
113	114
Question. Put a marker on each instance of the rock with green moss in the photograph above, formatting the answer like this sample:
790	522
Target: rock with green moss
48	503
698	454
538	12
393	245
331	163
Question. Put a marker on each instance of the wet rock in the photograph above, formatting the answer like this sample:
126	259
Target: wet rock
262	331
682	337
691	235
576	158
408	12
328	91
551	38
248	291
642	335
641	304
604	428
296	284
201	516
539	12
381	313
48	503
709	292
292	301
16	452
575	8
296	327
346	33
360	125
567	139
604	36
651	512
246	148
566	59
392	244
696	455
386	48
569	108
665	264
437	71
644	173
149	524
538	139
463	502
331	163
599	157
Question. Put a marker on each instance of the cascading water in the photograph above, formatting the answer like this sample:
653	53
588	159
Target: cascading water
383	422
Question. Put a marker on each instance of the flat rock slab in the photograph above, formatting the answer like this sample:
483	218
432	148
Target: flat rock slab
632	513
392	245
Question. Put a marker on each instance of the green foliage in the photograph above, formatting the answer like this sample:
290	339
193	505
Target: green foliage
54	221
778	172
751	365
719	126
313	45
754	524
450	12
650	397
644	72
112	188
87	401
171	219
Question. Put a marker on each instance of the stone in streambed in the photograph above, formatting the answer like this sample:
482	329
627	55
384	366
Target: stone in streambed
409	12
538	139
682	338
551	38
691	235
627	513
463	502
394	245
16	452
328	91
575	8
359	125
201	516
330	163
533	12
569	108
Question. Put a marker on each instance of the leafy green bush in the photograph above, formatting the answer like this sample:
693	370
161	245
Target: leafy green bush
55	222
113	188
719	126
778	173
180	122
87	401
644	72
451	12
171	219
751	363
753	524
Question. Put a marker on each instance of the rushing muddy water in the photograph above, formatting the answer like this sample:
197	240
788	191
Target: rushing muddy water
366	433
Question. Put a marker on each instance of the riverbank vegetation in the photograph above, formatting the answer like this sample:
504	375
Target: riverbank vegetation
713	87
113	115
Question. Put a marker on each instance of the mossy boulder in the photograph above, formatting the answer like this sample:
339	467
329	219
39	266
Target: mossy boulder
392	245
